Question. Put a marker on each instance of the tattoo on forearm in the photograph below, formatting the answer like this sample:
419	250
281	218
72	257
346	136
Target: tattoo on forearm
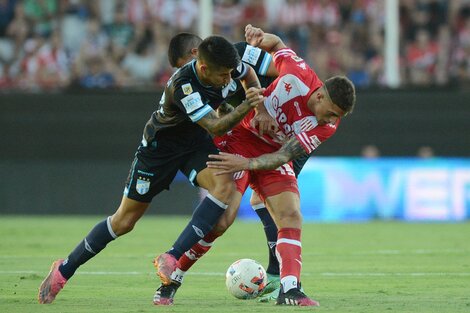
292	149
219	126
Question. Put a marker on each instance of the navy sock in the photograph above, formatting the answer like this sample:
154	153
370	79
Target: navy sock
270	229
90	246
204	218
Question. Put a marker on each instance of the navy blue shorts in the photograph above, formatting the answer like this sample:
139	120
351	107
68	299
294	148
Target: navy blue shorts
156	163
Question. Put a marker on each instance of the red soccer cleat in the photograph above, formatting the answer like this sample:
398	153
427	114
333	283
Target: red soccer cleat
165	264
52	284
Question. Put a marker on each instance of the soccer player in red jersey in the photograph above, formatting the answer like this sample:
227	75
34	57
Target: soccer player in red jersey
308	112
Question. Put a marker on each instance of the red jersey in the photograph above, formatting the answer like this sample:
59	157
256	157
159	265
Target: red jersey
286	101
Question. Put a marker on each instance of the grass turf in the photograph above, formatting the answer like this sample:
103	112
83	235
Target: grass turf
367	267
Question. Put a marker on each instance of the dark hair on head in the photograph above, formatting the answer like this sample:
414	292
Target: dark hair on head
342	92
218	51
181	46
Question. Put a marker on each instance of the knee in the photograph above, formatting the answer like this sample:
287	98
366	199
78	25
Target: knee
223	191
255	199
289	218
122	225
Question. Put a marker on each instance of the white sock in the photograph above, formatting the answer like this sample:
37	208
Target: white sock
288	283
178	275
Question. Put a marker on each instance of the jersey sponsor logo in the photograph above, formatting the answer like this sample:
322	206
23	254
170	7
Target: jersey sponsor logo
142	185
187	89
192	102
251	55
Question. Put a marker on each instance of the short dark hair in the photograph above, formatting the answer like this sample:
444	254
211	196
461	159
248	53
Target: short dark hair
342	92
218	51
181	46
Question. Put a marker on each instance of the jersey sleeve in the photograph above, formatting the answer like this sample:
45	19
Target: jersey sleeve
258	59
311	139
287	61
190	101
240	71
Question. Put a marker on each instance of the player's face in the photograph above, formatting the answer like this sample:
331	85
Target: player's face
217	76
326	112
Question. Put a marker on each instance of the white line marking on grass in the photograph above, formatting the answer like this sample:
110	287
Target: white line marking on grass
337	274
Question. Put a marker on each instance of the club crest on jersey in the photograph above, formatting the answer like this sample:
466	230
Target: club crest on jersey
187	89
287	87
142	185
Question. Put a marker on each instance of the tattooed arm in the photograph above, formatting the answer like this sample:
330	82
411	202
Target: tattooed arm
218	126
231	163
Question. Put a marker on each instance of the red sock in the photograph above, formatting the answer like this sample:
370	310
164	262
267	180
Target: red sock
197	251
288	252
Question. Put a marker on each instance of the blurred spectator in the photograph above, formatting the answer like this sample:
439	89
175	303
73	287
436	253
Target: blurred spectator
131	38
43	13
228	16
96	75
7	9
421	57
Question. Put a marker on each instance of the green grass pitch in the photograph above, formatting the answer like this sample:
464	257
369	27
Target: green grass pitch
361	267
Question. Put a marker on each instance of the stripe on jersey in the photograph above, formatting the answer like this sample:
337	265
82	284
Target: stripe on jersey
283	52
200	113
306	143
265	64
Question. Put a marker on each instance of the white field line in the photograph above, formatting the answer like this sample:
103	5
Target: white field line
371	252
327	274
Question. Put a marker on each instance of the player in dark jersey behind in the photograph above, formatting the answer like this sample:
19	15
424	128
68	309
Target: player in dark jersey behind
308	112
177	137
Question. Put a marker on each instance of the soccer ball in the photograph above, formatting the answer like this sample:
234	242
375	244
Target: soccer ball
245	279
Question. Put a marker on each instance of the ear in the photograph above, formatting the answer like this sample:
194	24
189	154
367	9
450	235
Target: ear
203	68
194	52
319	95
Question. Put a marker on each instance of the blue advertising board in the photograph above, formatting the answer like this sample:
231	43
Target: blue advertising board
357	189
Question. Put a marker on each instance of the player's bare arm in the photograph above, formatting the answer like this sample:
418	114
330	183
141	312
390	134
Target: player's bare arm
218	126
231	163
258	38
224	109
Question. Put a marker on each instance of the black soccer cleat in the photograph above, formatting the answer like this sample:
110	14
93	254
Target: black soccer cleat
295	297
165	293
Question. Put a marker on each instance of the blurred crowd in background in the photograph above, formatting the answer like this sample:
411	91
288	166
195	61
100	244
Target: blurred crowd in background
49	45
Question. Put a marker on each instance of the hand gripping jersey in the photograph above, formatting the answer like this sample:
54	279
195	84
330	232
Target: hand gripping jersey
286	101
186	100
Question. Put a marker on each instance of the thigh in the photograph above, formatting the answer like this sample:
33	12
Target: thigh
272	182
194	161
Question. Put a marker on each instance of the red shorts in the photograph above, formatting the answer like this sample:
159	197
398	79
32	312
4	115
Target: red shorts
267	183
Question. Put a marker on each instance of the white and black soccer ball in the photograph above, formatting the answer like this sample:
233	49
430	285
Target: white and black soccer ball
245	279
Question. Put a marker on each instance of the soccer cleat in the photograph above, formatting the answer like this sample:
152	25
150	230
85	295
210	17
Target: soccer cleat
52	284
165	264
295	297
274	281
165	293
